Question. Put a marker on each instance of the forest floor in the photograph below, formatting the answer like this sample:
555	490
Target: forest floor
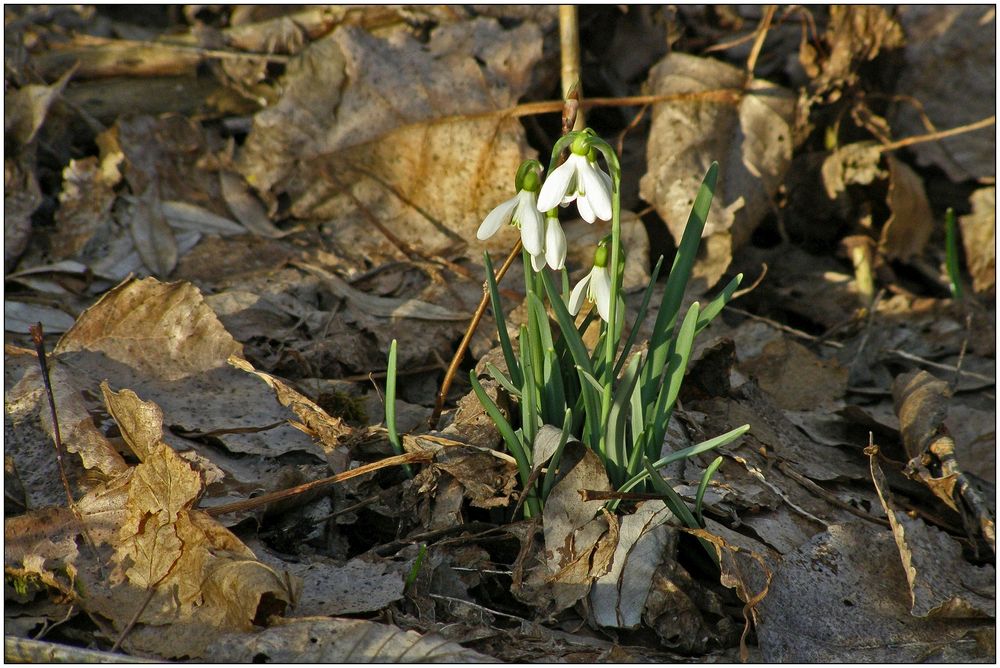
222	217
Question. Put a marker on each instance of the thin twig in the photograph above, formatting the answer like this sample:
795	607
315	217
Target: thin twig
935	136
316	485
449	375
37	338
765	25
135	618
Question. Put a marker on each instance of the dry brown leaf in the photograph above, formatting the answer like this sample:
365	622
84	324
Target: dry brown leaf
123	325
979	236
85	202
854	36
359	136
316	422
795	377
942	583
750	137
852	164
247	209
910	226
21	196
843	597
325	640
950	69
578	547
205	582
618	598
25	109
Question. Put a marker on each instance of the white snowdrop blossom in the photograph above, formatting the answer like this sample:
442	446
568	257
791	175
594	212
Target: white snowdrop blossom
579	179
596	286
555	242
520	210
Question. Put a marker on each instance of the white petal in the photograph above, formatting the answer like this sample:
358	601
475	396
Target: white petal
538	262
497	217
577	296
598	193
556	185
532	224
600	288
555	244
583	205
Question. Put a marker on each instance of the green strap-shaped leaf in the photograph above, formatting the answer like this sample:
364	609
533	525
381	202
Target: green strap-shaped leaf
643	308
714	307
702	486
680	274
390	406
673	377
508	351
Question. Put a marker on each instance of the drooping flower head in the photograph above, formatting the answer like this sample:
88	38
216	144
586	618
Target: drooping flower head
579	179
521	210
596	285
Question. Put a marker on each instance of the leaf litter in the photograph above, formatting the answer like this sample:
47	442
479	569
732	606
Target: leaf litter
311	201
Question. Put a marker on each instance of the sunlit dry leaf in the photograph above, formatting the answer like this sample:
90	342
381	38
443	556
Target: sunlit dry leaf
25	109
852	164
316	422
163	330
360	134
325	640
618	598
749	135
578	547
85	202
140	422
942	583
854	36
950	69
910	226
979	234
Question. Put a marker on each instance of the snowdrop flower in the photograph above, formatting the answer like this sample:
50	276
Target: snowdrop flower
555	241
580	179
596	286
555	244
520	210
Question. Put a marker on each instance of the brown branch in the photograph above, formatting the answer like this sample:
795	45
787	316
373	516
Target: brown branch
449	375
935	136
316	485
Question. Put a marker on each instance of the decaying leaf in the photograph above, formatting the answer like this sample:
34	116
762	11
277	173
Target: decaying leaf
579	543
843	597
21	197
909	227
123	326
618	598
942	583
315	421
203	580
326	640
25	109
400	133
979	234
950	70
796	378
854	36
749	134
